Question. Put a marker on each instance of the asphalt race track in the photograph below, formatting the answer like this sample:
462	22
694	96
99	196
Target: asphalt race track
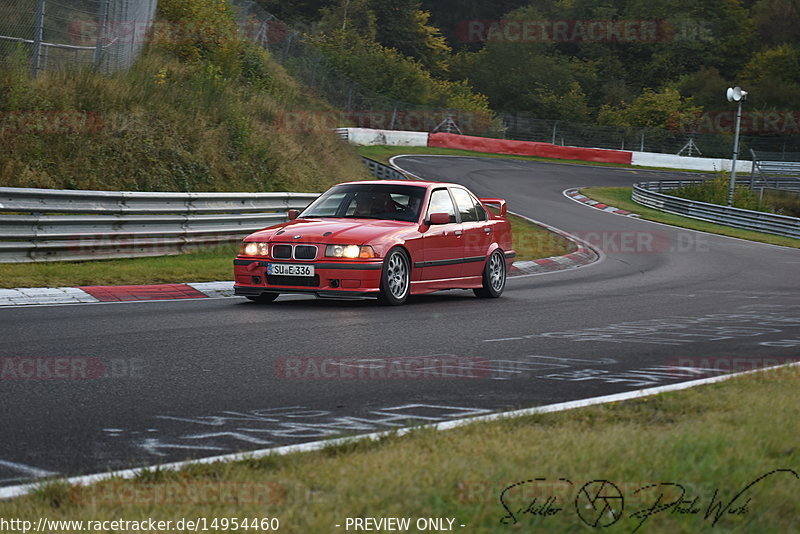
157	382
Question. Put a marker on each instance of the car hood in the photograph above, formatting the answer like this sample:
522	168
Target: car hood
339	231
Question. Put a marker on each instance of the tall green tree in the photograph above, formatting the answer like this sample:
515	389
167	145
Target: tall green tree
402	25
772	77
349	15
663	109
778	21
295	12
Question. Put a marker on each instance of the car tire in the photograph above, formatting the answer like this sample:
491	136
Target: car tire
494	276
395	278
264	298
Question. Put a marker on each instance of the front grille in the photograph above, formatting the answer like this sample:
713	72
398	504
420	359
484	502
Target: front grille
305	252
276	280
282	252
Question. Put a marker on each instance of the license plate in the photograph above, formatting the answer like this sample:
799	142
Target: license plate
286	269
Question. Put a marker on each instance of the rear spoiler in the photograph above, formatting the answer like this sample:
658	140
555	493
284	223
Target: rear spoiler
501	204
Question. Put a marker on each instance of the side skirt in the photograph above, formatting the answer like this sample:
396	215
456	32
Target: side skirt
422	287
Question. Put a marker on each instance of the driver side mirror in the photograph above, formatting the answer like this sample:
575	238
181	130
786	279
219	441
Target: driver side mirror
439	218
293	214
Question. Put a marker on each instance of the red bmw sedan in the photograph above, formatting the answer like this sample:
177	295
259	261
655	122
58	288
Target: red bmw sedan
384	239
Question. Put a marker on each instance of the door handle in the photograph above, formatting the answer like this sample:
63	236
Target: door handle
458	232
487	230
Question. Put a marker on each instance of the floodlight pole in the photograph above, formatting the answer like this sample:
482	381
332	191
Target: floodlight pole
735	153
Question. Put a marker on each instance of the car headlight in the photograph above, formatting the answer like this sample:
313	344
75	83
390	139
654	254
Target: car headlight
254	248
349	251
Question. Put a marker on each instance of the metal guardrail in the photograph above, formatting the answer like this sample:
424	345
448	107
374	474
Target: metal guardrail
779	168
650	194
39	225
382	171
788	171
59	225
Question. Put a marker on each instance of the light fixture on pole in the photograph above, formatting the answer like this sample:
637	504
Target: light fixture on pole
735	94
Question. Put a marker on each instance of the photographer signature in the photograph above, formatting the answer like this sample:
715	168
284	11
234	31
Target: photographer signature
601	503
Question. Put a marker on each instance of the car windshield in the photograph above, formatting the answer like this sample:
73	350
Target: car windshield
369	201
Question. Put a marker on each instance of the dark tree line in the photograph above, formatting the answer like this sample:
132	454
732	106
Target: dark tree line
663	59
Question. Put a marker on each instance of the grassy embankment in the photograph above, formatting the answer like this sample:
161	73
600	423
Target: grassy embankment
200	110
716	437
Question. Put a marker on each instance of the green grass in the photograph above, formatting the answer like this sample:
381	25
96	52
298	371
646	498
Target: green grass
202	266
620	197
530	241
716	437
716	192
783	202
382	153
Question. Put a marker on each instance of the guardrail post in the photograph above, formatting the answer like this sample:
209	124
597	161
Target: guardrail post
186	223
394	116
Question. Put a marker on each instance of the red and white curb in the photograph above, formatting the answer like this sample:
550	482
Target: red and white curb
576	195
583	255
27	296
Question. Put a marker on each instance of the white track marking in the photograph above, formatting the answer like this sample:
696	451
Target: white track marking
26	471
15	491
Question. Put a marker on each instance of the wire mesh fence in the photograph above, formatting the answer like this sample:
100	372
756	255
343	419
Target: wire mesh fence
360	106
55	34
685	143
290	47
365	108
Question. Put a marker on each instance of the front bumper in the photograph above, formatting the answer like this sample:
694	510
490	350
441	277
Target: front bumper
345	279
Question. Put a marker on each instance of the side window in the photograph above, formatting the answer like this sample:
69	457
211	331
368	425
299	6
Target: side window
482	215
442	203
466	207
